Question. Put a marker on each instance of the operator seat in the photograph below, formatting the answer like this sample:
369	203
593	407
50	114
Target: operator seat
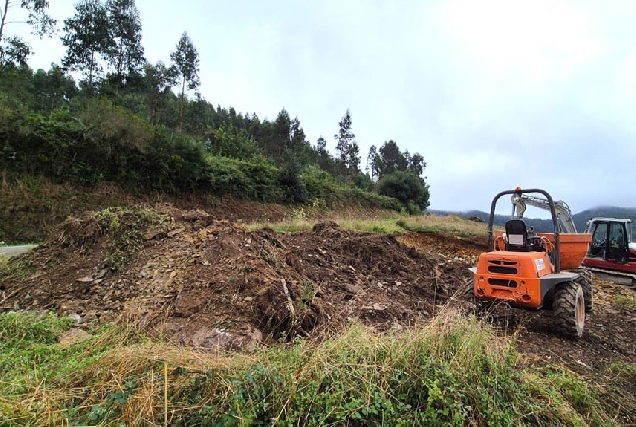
517	236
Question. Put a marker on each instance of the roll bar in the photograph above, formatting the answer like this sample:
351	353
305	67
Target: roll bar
491	221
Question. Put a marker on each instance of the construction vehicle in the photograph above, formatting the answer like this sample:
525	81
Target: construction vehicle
612	253
535	270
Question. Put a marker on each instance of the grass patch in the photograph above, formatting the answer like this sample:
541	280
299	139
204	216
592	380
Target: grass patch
451	224
393	224
625	370
385	226
627	302
15	267
42	381
452	372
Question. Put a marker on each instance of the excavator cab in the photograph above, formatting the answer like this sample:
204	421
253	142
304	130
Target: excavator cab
612	246
525	269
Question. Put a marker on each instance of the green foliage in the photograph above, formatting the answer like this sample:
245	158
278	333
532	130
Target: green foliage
14	53
451	374
131	134
15	267
52	89
40	22
185	61
229	141
185	66
86	38
408	188
292	185
123	49
625	370
125	227
321	185
389	159
241	179
19	330
347	148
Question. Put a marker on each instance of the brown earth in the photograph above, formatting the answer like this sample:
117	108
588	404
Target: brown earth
207	283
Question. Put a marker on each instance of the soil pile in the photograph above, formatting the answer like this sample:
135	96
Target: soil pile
207	283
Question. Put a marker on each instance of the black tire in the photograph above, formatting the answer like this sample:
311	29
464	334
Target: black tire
569	309
469	290
585	280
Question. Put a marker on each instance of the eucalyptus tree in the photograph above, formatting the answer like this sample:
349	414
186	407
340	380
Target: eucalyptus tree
123	49
86	38
347	147
15	50
41	22
157	81
52	89
374	162
185	63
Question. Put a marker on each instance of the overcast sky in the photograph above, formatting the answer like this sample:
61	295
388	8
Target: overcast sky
493	94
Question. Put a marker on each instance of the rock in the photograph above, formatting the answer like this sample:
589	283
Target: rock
176	231
86	279
76	317
353	289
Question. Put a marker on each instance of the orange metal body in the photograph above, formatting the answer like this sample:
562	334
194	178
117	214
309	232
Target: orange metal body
512	276
574	247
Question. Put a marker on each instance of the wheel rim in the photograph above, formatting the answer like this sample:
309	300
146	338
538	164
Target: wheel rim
580	312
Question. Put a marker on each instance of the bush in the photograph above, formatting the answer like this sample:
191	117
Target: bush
408	188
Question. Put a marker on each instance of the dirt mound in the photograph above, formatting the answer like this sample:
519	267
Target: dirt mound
211	283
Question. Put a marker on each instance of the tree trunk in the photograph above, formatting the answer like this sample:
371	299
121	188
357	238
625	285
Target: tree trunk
4	18
181	104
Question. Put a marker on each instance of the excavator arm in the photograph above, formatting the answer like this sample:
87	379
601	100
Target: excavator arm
563	212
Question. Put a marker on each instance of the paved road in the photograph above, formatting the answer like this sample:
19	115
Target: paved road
14	250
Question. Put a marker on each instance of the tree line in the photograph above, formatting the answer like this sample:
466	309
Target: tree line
146	125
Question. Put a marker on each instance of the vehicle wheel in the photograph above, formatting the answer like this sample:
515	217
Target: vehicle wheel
469	290
585	280
569	309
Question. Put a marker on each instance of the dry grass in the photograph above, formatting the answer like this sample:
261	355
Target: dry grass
451	371
385	222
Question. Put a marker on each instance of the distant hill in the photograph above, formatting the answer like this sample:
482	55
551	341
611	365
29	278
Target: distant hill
545	225
605	211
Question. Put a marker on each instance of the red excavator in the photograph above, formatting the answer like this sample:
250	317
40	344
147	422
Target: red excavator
612	252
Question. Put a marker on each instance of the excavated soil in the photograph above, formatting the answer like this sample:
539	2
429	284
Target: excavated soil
213	284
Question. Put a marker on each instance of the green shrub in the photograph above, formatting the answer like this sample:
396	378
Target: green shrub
408	188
